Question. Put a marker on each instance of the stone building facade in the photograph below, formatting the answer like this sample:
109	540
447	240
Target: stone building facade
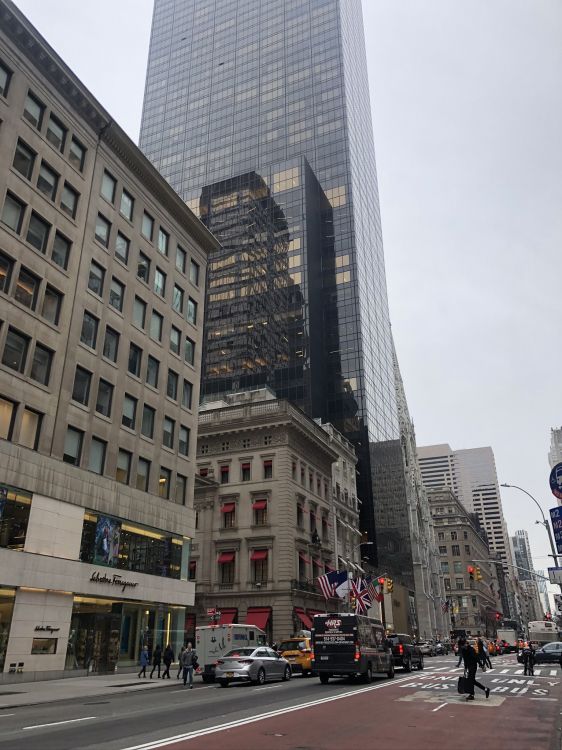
102	276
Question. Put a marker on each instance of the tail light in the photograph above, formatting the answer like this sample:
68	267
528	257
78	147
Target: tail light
357	656
305	650
245	661
400	649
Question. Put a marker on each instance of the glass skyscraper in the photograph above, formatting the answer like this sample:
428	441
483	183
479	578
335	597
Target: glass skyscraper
240	88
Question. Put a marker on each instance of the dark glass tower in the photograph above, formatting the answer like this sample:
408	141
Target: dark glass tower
235	85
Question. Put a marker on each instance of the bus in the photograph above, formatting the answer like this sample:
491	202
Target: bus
543	631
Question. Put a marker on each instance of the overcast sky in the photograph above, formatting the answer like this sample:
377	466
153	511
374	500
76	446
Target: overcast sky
467	115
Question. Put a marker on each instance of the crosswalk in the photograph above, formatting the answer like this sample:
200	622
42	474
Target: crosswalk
514	669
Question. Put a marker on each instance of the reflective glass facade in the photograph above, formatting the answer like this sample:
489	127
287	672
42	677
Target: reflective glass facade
235	85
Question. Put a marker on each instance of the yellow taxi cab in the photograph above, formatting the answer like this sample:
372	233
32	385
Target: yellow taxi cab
298	652
491	648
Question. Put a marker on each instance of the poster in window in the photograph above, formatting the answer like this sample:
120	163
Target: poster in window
108	535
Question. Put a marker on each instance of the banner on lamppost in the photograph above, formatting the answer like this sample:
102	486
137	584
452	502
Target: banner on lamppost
556	481
556	519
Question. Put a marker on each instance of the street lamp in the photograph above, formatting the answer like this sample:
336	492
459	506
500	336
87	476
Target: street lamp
544	522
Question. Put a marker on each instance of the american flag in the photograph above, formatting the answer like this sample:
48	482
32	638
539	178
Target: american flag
374	595
329	582
445	606
362	599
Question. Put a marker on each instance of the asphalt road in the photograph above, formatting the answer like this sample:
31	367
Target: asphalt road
413	711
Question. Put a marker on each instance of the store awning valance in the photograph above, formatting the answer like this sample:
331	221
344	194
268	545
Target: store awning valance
258	616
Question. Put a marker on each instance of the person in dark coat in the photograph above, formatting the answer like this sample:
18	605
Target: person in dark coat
529	660
471	661
168	658
144	661
156	660
188	662
180	668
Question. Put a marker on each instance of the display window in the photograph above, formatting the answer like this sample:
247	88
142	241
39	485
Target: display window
15	506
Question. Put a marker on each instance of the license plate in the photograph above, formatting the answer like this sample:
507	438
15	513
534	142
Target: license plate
230	674
324	658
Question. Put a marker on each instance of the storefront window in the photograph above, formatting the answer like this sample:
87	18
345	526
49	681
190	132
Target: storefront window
7	597
14	516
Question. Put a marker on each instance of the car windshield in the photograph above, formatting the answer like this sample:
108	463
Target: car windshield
291	645
240	652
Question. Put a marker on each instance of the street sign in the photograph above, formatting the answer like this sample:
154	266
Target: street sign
555	575
556	518
558	602
556	481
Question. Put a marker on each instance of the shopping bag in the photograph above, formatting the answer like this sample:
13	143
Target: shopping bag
463	685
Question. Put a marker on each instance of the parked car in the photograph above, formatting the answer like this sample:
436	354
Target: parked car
442	648
549	653
427	648
298	652
251	665
405	653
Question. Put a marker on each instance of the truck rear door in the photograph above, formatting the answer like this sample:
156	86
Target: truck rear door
334	641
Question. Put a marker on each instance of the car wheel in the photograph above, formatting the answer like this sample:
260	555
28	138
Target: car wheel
324	678
390	673
287	674
420	665
306	673
260	679
407	665
223	683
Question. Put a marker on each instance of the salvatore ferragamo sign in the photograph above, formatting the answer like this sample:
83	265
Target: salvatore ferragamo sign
113	580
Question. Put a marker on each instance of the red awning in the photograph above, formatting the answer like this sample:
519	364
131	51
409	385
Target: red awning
228	616
226	557
304	558
259	554
258	616
228	507
259	505
303	617
193	565
318	563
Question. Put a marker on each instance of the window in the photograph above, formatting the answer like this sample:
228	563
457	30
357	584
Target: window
96	462
105	398
56	133
27	289
122	247
465	534
245	472
160	282
30	429
69	200
226	567
5	77
6	267
441	536
164	481
33	111
228	512
15	350
467	549
175	339
41	364
459	583
163	241
103	229
194	272
12	213
38	232
143	474
7	418
135	359
147	227
123	469
442	550
444	566
139	312
89	333
168	432
191	311
172	385
457	567
455	549
52	302
143	268
181	259
225	474
447	582
81	387
76	154
96	278
47	181
454	536
24	159
72	446
268	469
108	186
184	441
111	344
61	250
187	394
127	205
129	415
147	425
177	299
116	294
259	566
259	508
156	322
152	369
189	351
181	489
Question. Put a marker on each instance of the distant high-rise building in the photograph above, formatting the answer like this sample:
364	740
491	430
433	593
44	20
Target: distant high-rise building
531	605
239	87
555	452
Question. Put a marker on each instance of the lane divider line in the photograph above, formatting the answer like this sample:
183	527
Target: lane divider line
268	715
57	723
438	707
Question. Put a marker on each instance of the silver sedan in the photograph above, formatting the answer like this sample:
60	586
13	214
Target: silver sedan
254	665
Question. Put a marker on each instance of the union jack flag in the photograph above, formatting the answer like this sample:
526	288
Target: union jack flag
359	590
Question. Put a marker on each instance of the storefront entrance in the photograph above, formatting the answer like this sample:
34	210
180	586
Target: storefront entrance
93	641
7	597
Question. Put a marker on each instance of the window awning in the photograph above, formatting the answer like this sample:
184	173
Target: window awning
226	557
228	616
258	616
258	554
228	507
304	558
303	617
259	504
318	563
192	564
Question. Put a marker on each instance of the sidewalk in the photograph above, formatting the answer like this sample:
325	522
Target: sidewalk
49	691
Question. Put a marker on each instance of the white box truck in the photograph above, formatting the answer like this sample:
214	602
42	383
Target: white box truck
508	637
213	641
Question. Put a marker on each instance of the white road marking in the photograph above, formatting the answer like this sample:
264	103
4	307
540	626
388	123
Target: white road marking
3	715
261	717
504	671
518	671
438	707
553	672
185	689
57	723
544	699
269	687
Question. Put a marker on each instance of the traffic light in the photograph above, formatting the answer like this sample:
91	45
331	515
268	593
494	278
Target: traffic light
478	574
470	569
381	581
389	585
498	616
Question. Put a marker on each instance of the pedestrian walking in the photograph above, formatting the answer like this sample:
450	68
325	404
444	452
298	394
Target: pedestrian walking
144	661
156	660
168	658
189	663
470	658
180	667
485	657
529	660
